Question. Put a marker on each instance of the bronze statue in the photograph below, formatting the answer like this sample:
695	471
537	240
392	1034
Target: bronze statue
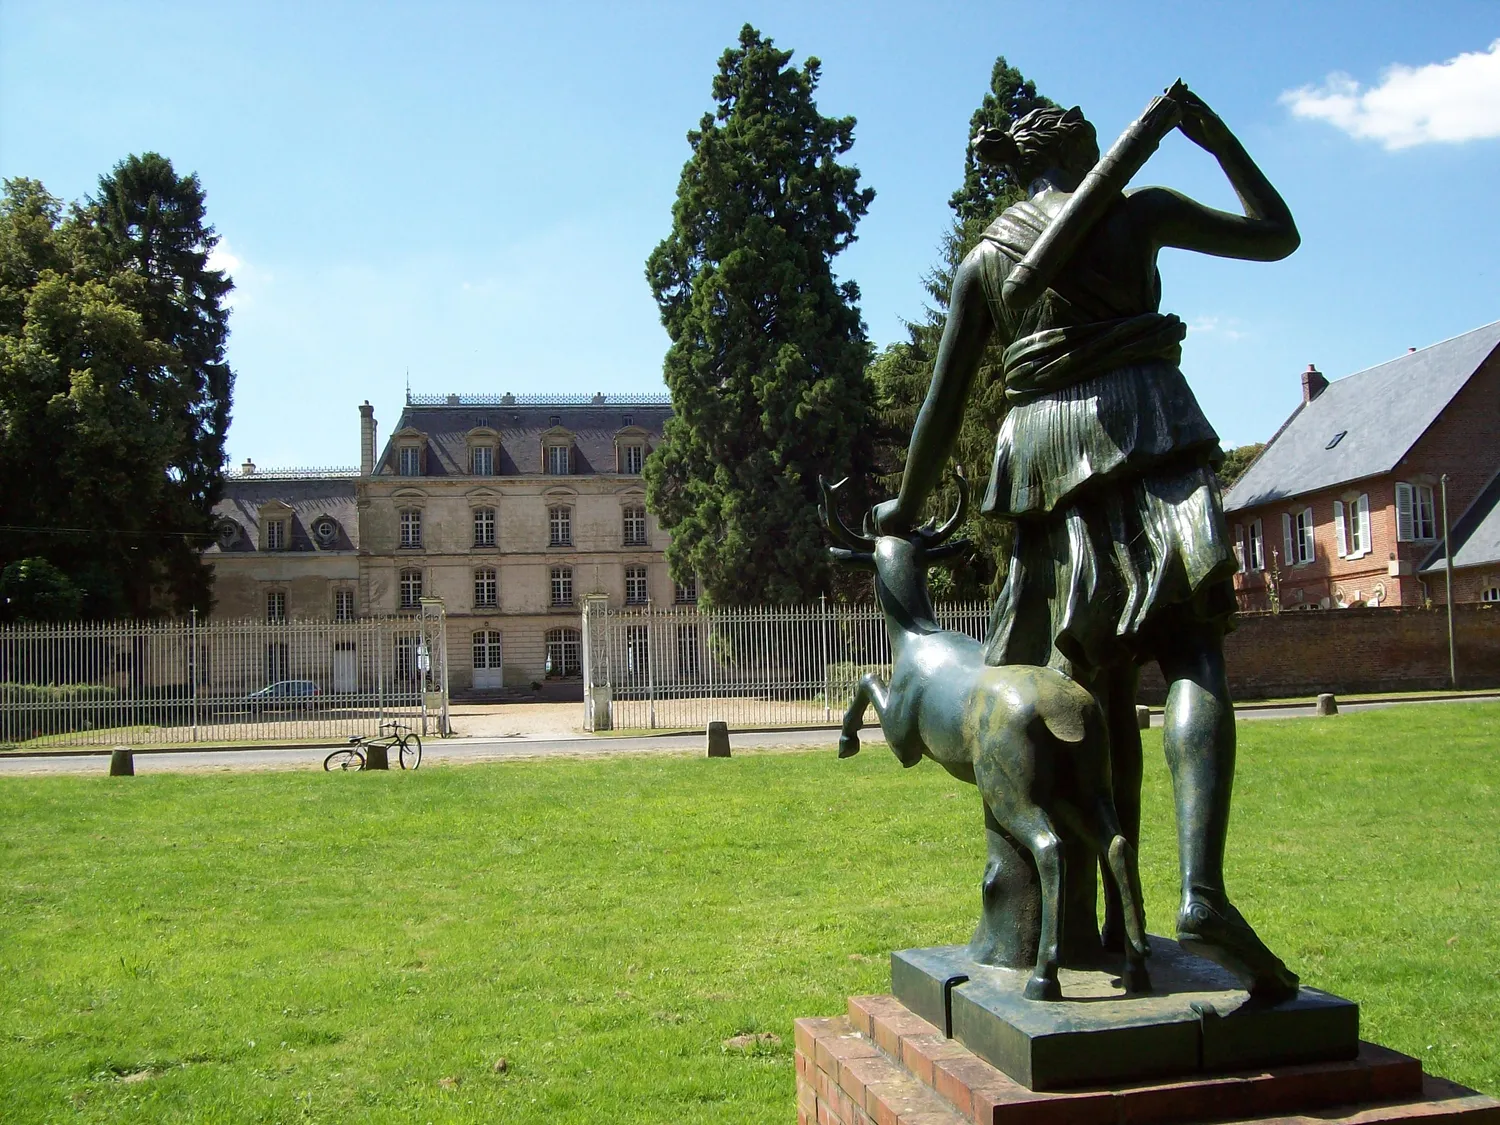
1106	464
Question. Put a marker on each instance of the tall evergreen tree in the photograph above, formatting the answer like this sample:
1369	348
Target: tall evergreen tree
900	376
767	350
114	394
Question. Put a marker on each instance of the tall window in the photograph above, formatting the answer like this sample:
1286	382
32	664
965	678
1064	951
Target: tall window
631	458
484	527
275	605
559	460
1416	514
486	588
1255	542
411	588
560	526
1351	527
637	654
562	585
635	527
635	585
276	535
343	605
1297	533
482	460
411	461
411	527
564	653
684	593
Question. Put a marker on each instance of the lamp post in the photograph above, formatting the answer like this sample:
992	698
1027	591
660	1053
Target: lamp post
1448	575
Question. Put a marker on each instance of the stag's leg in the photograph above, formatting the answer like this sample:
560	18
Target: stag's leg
1034	829
1200	745
1115	690
1103	830
870	689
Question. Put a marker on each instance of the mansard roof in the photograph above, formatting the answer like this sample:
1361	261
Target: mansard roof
309	497
1364	424
594	421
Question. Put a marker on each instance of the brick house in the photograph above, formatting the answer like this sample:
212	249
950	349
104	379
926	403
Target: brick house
1476	552
1344	506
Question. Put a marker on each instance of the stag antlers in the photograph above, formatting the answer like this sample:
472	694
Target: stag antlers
862	544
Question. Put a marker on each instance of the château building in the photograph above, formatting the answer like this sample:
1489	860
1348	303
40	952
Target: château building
509	508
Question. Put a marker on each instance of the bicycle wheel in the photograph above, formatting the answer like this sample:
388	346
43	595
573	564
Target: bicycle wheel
344	758
411	752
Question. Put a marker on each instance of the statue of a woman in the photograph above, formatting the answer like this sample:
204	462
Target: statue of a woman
1105	463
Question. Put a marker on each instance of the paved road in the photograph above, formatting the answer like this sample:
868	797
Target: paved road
462	750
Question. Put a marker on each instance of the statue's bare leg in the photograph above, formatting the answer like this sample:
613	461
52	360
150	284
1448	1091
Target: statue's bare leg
1200	745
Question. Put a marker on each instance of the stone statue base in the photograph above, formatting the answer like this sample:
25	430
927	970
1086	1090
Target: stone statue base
1196	1020
884	1063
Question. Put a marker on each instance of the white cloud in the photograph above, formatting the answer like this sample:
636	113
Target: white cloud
1453	101
1227	328
247	279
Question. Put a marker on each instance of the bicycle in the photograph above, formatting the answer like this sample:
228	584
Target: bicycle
408	749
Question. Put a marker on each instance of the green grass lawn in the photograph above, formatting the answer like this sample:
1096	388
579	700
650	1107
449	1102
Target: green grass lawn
303	946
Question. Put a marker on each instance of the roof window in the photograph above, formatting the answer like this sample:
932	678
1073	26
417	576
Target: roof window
1335	439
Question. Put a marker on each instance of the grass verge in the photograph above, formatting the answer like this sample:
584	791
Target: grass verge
302	946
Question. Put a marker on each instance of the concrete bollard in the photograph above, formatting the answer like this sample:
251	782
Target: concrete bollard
376	758
718	739
1143	717
1327	704
121	762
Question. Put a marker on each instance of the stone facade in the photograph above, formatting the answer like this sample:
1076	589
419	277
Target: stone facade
511	509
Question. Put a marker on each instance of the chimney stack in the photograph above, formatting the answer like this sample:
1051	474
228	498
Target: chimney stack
366	439
1313	384
248	468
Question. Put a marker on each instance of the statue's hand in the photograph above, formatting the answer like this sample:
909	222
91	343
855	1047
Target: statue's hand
889	519
1200	124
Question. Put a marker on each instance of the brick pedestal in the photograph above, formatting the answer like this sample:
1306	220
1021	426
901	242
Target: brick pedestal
883	1064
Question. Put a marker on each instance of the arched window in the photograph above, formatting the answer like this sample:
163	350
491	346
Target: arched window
411	588
564	653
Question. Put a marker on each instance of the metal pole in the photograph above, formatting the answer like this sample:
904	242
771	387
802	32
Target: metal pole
1448	575
827	668
193	665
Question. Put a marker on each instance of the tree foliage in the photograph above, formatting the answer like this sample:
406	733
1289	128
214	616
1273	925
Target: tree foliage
901	374
114	393
1236	461
767	350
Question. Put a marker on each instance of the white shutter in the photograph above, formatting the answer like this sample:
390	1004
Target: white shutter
1257	546
1239	545
1308	554
1288	553
1403	513
1363	546
1340	531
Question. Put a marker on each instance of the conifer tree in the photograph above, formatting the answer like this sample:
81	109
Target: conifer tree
767	352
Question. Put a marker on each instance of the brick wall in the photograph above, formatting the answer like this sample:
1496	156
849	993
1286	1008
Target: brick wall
1350	650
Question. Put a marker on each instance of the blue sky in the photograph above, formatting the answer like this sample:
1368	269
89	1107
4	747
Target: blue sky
468	192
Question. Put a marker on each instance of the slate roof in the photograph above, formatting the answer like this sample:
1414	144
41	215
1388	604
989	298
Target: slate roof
1476	533
594	422
1382	411
308	497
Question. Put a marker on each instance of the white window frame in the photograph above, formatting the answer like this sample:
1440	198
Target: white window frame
1416	513
632	459
343	604
409	587
409	460
411	528
486	587
685	593
275	607
482	460
633	520
1351	526
564	652
276	535
559	460
1257	545
561	579
1297	537
637	589
485	649
485	520
1490	594
560	526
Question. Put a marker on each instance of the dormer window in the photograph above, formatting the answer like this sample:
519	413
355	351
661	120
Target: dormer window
327	532
276	535
632	457
482	460
411	461
228	533
559	460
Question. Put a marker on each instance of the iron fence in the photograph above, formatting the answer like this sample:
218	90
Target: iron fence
191	681
680	668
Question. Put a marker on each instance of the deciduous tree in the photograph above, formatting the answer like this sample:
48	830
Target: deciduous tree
767	350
